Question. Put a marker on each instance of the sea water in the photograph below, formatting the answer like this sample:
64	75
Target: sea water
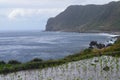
24	46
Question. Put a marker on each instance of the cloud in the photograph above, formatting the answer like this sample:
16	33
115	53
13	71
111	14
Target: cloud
33	14
27	8
48	3
96	1
21	12
34	3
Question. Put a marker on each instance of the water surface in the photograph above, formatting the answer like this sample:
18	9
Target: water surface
24	46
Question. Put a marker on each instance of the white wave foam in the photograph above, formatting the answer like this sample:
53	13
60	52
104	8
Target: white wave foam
107	34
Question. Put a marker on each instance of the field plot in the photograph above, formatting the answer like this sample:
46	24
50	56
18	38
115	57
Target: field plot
97	68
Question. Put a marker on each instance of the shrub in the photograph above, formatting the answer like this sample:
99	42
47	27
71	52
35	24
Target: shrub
5	70
87	50
14	62
36	60
109	45
2	62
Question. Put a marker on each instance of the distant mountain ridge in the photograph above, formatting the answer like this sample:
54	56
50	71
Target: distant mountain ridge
88	18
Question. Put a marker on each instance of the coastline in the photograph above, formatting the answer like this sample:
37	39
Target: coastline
86	65
108	32
85	54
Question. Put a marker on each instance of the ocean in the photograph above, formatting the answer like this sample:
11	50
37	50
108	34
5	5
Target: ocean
25	46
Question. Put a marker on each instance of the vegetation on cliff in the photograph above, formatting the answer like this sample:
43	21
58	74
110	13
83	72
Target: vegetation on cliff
88	18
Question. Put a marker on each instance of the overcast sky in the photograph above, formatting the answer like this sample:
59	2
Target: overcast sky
33	14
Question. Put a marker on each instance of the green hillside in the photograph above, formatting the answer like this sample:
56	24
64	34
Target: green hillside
88	18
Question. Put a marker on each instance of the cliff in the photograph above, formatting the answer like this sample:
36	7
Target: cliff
88	18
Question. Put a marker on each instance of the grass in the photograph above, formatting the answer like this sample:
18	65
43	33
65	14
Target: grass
113	50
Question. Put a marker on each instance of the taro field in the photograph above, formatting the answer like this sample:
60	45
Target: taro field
97	68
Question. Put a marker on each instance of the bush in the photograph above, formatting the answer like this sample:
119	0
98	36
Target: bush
5	70
36	60
87	51
14	62
109	45
2	63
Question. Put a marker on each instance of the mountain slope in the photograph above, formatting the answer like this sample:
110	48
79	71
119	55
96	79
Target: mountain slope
89	18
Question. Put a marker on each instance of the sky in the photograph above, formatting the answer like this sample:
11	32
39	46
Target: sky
22	15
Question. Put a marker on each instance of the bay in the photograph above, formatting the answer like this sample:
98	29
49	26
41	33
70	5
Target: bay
24	46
